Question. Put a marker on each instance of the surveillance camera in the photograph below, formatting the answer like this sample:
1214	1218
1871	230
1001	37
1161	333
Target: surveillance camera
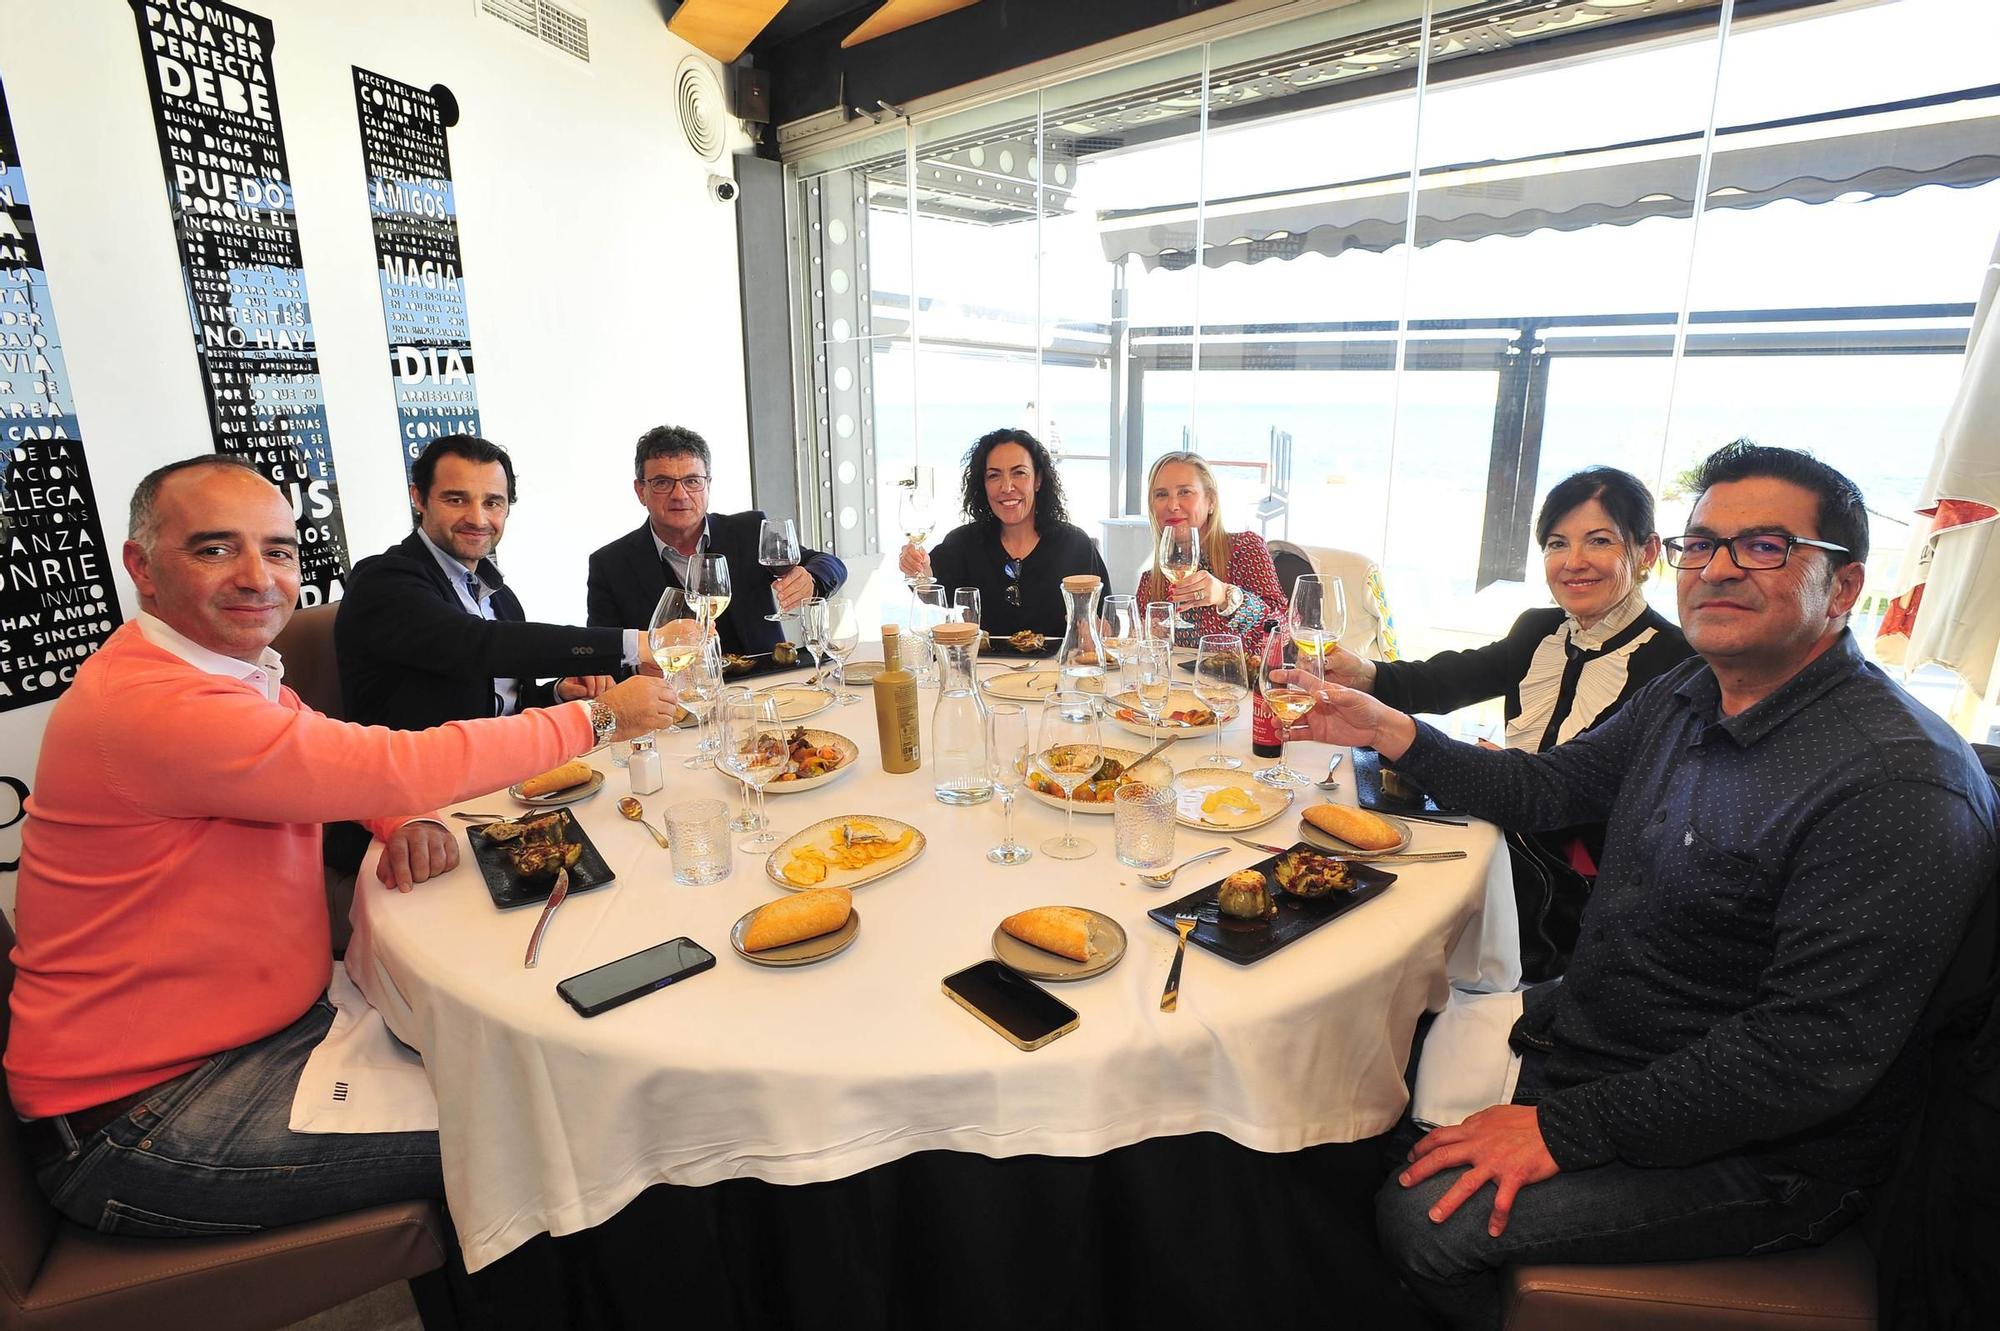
722	189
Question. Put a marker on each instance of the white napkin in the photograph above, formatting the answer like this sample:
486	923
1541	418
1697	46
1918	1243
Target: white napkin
1467	1064
361	1078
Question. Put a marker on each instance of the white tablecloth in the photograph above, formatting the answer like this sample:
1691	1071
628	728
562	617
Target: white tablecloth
550	1122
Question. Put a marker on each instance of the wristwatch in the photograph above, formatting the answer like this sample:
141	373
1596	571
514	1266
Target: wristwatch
1232	602
603	721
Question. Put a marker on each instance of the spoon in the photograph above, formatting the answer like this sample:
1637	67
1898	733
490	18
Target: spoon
1162	879
636	811
1328	783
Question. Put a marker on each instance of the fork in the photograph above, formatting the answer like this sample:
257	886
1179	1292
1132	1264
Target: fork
1170	1000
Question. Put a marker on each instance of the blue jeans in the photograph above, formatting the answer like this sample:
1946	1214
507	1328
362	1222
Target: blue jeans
1732	1206
211	1152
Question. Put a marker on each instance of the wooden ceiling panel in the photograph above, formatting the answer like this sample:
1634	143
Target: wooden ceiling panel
899	14
722	28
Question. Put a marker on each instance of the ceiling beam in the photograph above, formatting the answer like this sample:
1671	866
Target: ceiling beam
722	28
899	14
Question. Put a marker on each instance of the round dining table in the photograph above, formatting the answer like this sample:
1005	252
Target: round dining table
551	1123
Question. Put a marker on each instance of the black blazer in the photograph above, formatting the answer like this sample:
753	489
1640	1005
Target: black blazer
628	575
412	658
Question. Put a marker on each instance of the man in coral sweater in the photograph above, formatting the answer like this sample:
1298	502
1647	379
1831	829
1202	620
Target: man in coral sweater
173	951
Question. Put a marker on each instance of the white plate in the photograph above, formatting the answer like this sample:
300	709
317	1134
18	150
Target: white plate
1126	756
864	672
802	953
1031	685
1107	942
1196	785
561	797
821	834
1124	708
1312	836
796	702
819	739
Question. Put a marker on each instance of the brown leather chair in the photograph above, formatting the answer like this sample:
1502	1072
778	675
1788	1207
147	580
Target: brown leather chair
311	669
313	672
59	1276
1813	1289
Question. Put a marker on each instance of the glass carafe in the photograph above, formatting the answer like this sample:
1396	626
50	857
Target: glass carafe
958	724
1081	656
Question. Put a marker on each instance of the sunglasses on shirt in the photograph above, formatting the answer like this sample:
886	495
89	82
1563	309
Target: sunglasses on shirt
1012	568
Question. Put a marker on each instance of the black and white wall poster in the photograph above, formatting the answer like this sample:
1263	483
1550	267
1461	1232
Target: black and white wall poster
57	601
229	188
415	216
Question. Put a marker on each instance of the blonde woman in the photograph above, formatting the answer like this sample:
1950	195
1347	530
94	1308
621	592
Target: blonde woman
1244	596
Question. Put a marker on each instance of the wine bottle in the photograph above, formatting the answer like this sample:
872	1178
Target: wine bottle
1266	739
896	707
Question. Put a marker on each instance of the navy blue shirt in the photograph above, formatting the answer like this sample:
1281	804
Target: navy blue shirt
1780	892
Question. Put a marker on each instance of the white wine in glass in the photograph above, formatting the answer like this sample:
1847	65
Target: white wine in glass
1288	701
1318	618
1179	555
709	592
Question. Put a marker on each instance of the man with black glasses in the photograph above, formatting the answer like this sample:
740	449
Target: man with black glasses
1793	849
671	476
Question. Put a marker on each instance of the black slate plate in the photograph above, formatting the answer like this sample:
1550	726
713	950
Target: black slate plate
509	889
1368	792
1245	941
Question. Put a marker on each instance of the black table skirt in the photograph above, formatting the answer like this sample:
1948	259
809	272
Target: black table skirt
1177	1233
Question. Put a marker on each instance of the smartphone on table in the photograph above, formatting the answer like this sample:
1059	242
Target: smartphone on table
1021	1011
621	981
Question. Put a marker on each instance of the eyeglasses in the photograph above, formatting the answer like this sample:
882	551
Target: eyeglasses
665	485
1764	549
1012	568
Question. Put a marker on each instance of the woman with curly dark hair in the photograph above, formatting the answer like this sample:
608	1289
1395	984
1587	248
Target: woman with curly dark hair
1018	545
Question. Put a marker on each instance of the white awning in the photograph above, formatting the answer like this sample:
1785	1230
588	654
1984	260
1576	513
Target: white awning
1952	139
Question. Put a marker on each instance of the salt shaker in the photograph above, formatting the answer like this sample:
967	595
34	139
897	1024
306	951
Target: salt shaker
644	767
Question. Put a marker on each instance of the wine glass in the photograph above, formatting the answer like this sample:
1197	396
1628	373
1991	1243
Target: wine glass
747	818
843	635
1069	748
1006	762
1157	621
1318	617
1222	682
813	631
754	749
777	550
698	685
929	607
1180	555
965	603
673	639
1278	673
917	516
708	587
1118	627
1147	673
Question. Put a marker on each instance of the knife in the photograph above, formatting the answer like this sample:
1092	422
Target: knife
1448	819
1419	857
555	899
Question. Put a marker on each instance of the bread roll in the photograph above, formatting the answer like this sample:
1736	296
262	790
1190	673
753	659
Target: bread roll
1063	930
798	917
1357	827
562	778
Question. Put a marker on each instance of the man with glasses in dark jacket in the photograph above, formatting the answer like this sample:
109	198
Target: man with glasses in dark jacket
1793	849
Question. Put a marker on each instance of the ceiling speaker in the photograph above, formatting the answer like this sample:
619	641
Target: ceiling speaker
698	100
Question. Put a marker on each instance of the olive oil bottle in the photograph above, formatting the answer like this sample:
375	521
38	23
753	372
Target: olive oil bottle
896	707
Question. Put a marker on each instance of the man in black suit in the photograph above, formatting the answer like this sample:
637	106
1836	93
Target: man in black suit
428	631
671	474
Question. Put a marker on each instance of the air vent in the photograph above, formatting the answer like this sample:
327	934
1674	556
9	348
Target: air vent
546	21
698	99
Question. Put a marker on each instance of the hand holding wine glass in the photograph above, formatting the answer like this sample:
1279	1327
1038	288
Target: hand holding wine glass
1318	619
917	516
1289	698
778	550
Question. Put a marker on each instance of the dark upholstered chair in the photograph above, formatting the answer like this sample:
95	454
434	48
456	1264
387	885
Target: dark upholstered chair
313	672
1814	1289
58	1276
